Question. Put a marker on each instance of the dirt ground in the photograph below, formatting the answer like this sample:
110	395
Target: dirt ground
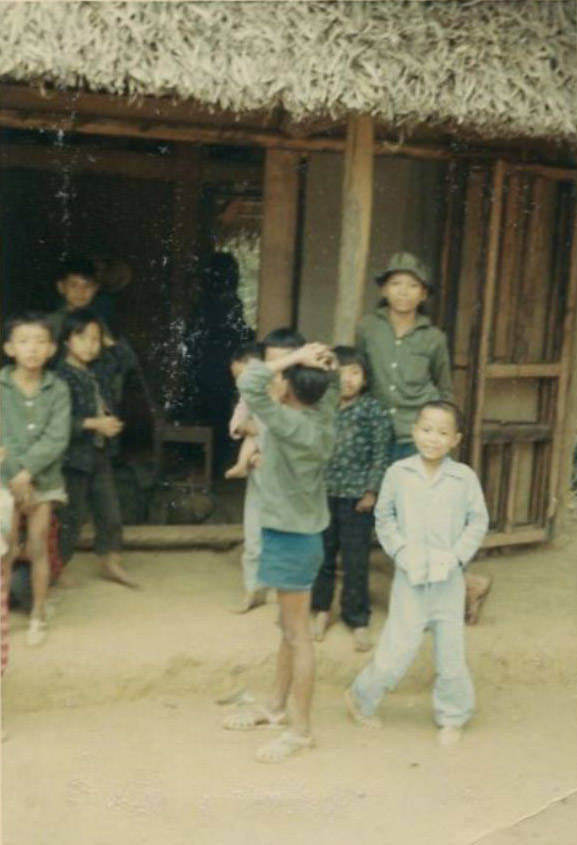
115	733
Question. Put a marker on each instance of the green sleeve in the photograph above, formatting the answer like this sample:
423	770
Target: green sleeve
54	439
441	369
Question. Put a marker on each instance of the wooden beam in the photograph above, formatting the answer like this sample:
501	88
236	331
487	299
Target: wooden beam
511	371
488	308
357	206
279	229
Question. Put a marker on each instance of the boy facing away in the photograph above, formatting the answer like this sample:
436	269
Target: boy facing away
430	519
275	344
34	430
354	475
295	397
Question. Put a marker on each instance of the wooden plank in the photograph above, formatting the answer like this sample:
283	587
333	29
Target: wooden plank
564	433
511	489
508	371
279	229
128	163
520	536
508	273
515	432
357	206
488	310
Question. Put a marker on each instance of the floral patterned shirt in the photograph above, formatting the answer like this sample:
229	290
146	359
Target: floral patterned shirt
363	449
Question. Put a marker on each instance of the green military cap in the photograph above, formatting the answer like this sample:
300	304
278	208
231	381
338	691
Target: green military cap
406	262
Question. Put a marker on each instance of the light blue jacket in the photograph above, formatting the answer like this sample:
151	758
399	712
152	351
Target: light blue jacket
430	526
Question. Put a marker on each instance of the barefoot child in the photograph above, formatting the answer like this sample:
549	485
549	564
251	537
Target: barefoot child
354	476
431	519
241	426
34	432
409	364
87	468
295	397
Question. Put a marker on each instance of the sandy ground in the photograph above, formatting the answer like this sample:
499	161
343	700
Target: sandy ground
116	738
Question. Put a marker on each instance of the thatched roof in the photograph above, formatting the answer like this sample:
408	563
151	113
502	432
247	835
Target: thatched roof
495	68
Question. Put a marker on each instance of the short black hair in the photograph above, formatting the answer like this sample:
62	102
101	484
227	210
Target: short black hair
247	352
347	355
283	338
27	318
76	321
78	266
449	408
309	384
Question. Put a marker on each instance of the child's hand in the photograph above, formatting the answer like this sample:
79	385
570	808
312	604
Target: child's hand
316	355
108	426
255	461
21	488
366	503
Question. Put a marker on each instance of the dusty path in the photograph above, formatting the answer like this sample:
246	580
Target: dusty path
116	737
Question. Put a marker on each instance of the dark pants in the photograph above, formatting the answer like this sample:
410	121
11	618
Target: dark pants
96	492
350	533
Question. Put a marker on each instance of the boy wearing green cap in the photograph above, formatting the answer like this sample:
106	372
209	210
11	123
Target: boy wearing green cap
409	365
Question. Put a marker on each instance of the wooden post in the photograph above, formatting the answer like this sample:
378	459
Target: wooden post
356	227
277	254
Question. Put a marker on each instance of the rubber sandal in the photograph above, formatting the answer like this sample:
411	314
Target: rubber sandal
253	717
357	714
284	746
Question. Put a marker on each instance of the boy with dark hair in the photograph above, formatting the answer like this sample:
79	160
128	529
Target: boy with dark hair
87	468
274	345
362	453
34	430
431	518
295	396
77	285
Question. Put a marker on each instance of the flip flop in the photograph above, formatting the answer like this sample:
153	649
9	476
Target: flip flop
253	717
284	746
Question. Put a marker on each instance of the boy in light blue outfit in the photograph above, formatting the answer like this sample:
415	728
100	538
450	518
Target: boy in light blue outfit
430	518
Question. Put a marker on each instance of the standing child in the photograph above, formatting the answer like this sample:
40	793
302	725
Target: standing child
354	476
87	468
292	397
275	344
409	364
431	519
35	431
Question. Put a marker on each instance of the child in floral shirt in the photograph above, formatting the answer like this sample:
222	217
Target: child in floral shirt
354	475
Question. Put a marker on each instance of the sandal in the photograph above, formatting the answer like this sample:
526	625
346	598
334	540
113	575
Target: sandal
253	717
286	745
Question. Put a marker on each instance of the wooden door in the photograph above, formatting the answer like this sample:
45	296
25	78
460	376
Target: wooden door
512	319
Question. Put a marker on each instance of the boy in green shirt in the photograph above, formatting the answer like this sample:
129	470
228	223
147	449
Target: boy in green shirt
35	430
295	396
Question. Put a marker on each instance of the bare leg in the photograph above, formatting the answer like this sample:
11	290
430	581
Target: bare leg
248	448
37	553
295	669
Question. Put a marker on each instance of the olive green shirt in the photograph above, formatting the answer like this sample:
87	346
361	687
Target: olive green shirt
296	447
405	372
35	430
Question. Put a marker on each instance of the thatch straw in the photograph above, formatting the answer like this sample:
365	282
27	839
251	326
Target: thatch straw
493	67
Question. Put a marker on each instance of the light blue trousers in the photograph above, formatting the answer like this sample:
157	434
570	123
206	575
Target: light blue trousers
252	533
439	607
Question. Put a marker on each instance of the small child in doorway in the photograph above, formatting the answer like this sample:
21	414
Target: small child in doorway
241	425
409	364
87	468
295	396
35	429
354	475
431	519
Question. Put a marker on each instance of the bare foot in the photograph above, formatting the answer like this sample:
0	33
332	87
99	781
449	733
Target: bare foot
115	572
251	600
361	638
236	471
66	581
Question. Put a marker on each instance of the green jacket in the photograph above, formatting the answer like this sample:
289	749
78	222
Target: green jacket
35	430
405	372
296	447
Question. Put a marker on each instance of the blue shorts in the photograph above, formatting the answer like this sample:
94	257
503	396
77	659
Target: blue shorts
289	561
